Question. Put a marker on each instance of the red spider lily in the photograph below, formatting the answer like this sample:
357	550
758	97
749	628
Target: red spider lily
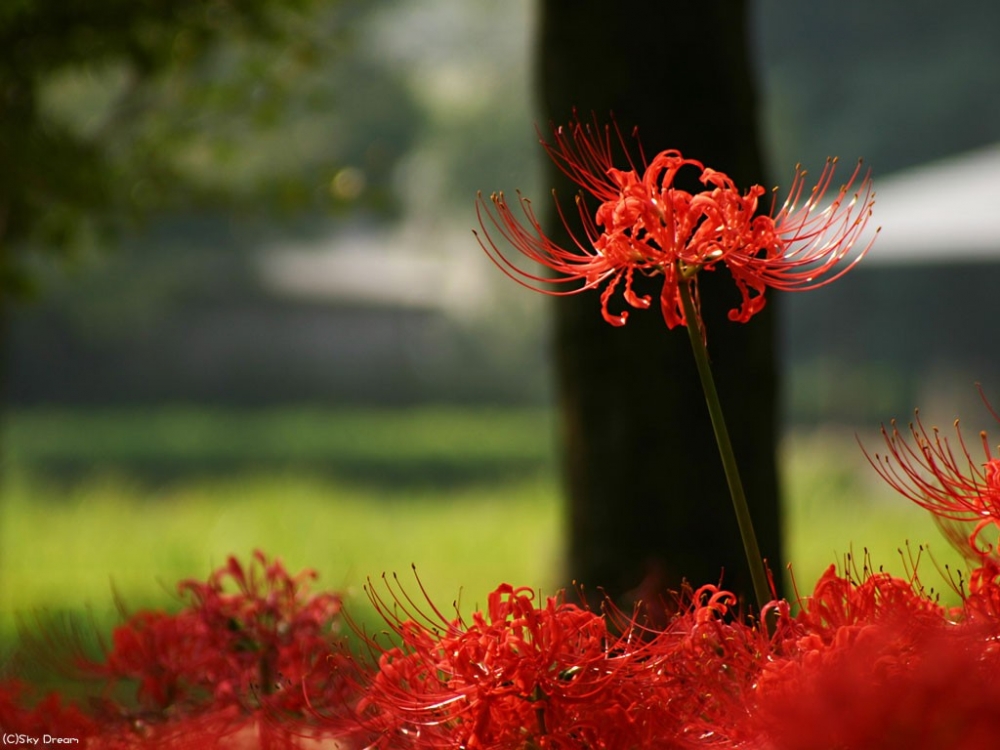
250	637
838	604
982	601
919	687
252	654
514	676
881	664
48	716
554	675
956	487
270	634
704	667
646	225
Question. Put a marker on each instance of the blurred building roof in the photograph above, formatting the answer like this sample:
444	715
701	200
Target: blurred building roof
941	212
406	268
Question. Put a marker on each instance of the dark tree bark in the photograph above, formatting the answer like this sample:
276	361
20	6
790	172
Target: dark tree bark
649	506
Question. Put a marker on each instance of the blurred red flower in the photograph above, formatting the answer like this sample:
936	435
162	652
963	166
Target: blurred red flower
963	492
50	715
879	663
251	636
251	655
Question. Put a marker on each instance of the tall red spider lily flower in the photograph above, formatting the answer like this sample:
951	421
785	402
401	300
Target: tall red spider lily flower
644	224
958	488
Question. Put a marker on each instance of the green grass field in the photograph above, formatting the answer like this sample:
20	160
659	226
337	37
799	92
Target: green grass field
835	504
139	500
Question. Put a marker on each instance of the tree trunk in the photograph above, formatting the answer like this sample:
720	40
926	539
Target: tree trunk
649	506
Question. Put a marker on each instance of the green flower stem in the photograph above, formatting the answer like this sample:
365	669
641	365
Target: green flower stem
758	573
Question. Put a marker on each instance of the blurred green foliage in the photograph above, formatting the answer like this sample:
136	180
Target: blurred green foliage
383	448
114	109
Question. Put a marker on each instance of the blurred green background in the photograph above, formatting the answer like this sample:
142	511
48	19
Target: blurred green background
304	351
129	502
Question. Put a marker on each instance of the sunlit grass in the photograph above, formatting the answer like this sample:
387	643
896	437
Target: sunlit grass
476	503
837	505
67	551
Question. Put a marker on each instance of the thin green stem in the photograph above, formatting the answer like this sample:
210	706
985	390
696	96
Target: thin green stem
758	573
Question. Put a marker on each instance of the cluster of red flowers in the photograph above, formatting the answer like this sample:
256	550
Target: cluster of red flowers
879	663
645	224
249	648
867	660
555	675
